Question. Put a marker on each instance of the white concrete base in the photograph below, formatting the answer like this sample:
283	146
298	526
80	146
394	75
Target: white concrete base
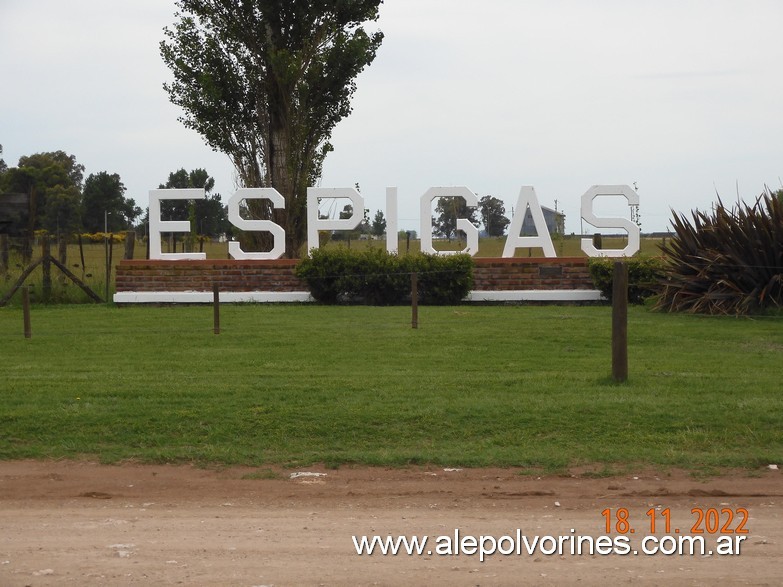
205	297
536	295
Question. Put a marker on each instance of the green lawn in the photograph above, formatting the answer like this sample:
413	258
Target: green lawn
473	386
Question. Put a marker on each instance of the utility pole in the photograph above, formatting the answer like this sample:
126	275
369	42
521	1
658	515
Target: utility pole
106	250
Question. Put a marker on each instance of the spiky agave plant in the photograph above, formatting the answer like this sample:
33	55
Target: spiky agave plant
729	261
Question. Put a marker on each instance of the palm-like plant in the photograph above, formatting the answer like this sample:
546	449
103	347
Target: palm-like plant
729	261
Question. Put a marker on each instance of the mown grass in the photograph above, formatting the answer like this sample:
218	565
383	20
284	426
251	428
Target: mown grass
473	386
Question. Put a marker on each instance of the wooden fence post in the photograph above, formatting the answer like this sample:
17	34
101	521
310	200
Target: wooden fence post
62	253
216	308
620	322
109	250
46	266
27	247
130	244
81	254
414	300
28	331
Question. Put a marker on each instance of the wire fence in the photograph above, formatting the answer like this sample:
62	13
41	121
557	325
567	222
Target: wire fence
93	261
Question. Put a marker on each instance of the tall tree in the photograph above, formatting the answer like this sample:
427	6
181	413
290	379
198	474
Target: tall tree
3	166
266	81
493	215
378	224
448	210
104	204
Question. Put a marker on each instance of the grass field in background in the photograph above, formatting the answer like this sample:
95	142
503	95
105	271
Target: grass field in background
473	386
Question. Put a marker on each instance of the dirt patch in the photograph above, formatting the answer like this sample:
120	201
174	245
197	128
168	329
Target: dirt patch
86	524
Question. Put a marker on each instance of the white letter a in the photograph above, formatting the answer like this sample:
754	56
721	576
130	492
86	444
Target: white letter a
527	197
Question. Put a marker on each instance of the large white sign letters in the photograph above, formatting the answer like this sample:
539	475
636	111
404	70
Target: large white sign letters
527	200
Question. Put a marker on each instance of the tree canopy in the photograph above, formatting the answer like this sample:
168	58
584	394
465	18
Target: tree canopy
378	224
60	201
104	192
493	215
448	210
209	217
266	81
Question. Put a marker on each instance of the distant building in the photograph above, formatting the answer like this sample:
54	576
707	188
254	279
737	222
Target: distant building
13	212
555	222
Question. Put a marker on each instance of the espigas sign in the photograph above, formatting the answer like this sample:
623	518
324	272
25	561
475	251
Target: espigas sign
527	199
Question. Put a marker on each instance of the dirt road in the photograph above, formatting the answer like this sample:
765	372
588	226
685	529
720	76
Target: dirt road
79	523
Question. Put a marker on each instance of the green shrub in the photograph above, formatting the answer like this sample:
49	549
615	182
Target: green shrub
376	277
644	276
324	272
729	261
443	280
382	278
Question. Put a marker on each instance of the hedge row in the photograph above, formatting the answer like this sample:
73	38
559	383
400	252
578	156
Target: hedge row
645	275
376	277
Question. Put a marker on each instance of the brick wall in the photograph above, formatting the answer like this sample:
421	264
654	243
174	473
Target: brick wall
531	274
568	273
228	275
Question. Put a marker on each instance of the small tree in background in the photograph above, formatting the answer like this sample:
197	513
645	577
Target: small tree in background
729	261
105	192
493	215
208	216
378	224
448	210
62	213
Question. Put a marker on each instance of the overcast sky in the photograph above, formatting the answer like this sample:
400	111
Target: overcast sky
680	97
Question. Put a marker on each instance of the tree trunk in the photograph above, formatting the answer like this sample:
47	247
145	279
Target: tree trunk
284	179
281	176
